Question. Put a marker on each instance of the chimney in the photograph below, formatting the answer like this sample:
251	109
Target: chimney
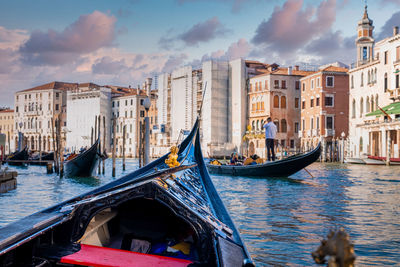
296	67
395	30
289	70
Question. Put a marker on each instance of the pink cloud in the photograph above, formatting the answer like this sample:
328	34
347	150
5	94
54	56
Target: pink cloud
89	33
291	26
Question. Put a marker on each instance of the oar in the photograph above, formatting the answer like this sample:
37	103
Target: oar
308	172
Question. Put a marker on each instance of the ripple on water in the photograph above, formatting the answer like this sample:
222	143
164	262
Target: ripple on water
281	220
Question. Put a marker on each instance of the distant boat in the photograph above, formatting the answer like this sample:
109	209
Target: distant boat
279	168
35	160
155	216
17	158
82	164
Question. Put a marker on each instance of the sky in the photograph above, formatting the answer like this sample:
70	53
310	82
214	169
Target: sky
122	42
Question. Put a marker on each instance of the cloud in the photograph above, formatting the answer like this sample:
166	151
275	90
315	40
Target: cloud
397	2
199	33
12	38
330	47
290	27
235	4
89	33
387	28
106	65
203	32
173	62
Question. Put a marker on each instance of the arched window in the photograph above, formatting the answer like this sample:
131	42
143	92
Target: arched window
258	125
253	125
361	107
385	83
372	103
283	101
376	101
369	77
352	81
353	110
367	105
276	101
262	124
277	125
362	79
361	144
375	76
283	126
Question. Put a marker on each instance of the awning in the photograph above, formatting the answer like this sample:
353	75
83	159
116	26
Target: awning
393	108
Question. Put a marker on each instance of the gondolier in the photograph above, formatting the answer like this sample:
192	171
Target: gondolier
270	133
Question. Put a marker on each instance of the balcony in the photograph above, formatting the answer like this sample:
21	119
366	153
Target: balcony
329	132
394	94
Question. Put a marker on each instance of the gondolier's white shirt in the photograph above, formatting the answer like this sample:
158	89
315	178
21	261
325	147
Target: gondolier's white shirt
270	130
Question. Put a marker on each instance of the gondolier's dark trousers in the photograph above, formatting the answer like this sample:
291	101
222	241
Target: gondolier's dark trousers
269	143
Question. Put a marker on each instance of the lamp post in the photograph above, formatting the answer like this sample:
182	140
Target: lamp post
146	104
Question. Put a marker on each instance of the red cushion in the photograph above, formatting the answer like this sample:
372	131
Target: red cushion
104	257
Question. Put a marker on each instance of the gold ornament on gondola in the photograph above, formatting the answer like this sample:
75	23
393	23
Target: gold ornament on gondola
172	160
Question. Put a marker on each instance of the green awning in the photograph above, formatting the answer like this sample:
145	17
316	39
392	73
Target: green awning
393	108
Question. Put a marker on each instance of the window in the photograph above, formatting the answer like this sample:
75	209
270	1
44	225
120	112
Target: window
330	81
57	95
283	101
126	102
361	107
126	114
311	103
312	84
364	53
296	127
362	79
131	113
296	102
276	84
317	123
297	85
318	82
142	113
131	102
304	86
251	86
256	86
117	103
113	103
352	81
276	101
56	106
16	108
397	81
311	123
385	57
283	84
141	101
329	122
303	124
329	101
303	104
317	102
291	143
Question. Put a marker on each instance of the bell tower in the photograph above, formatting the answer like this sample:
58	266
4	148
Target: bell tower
365	41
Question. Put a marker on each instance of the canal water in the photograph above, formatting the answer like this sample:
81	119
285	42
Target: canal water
281	220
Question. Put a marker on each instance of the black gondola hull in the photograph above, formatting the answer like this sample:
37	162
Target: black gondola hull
280	168
18	156
84	164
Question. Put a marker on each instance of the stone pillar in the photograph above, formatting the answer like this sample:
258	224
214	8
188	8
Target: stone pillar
383	143
323	150
388	150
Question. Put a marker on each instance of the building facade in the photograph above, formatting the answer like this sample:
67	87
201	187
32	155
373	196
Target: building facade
36	110
374	85
276	94
7	128
324	106
84	105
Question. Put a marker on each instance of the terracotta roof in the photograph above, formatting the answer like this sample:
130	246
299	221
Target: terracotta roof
335	69
284	71
88	85
53	85
7	110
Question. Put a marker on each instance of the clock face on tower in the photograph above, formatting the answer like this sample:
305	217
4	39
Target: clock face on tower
364	52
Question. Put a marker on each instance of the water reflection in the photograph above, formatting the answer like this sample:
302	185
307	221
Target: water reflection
281	220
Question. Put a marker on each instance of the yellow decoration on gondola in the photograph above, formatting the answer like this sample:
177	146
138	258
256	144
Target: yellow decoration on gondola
172	160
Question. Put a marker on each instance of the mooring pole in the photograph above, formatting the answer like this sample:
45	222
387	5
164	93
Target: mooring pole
104	142
114	146
99	145
123	147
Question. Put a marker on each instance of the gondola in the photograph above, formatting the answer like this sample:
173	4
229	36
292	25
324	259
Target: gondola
159	215
271	169
46	157
82	164
17	158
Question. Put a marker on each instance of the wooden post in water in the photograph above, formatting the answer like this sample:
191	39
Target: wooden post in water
99	147
95	129
60	147
54	145
140	143
9	148
40	148
114	145
123	147
104	142
91	138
